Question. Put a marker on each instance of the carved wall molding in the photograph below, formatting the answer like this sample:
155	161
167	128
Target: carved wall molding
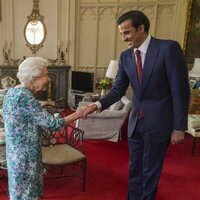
88	13
123	9
149	10
168	8
107	13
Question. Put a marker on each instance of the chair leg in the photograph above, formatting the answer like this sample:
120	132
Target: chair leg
1	185
3	179
193	145
120	136
84	171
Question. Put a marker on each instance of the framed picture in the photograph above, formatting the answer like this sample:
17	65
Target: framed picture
191	44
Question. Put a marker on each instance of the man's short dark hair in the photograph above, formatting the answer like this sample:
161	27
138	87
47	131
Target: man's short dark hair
137	17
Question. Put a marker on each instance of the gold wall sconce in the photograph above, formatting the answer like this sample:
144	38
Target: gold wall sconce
6	52
62	52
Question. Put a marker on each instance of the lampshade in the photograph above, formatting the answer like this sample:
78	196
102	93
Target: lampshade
195	71
112	69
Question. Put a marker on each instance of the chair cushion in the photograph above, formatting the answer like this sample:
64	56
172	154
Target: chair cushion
194	121
61	154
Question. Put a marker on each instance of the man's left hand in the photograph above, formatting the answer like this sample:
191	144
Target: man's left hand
177	137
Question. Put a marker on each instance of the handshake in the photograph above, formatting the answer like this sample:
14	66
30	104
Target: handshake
83	111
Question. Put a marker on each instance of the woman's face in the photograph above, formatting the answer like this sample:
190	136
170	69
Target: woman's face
41	83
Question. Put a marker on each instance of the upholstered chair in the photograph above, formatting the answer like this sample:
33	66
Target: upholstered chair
106	124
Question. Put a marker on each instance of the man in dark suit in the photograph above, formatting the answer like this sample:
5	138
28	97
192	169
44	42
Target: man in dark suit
158	75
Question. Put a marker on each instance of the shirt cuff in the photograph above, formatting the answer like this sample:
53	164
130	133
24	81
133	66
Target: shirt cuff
98	104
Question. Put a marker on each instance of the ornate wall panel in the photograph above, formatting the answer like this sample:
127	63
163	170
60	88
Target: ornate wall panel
88	1
87	37
165	21
105	1
125	1
97	33
106	35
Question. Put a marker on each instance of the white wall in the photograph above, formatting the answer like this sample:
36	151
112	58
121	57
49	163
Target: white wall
97	36
98	40
14	18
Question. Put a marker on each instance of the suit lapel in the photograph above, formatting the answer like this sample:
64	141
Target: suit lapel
131	63
150	59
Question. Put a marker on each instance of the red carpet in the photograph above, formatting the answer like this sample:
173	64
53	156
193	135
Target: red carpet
107	174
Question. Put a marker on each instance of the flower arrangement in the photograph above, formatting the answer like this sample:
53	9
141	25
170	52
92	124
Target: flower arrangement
104	84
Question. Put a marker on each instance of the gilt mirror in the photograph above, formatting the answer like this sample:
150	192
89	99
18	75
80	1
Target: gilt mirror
35	30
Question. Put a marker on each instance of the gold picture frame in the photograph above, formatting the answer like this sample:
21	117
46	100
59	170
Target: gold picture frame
191	42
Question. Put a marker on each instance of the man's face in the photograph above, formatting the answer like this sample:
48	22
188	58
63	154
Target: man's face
132	36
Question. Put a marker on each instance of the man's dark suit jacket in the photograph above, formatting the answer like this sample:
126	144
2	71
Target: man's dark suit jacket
164	92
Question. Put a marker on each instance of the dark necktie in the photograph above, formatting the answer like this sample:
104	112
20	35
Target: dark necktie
139	65
139	73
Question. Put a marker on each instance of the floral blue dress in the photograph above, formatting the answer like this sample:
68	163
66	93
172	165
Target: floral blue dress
23	117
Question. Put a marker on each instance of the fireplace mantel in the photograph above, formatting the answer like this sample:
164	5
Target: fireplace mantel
59	76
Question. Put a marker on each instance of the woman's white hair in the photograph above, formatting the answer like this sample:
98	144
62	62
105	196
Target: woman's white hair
30	68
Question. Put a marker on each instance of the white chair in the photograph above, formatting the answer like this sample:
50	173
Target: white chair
194	128
106	124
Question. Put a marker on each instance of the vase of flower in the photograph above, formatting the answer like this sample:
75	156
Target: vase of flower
103	92
104	85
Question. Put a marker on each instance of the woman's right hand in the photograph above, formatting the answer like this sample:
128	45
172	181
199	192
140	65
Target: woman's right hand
74	116
80	112
85	110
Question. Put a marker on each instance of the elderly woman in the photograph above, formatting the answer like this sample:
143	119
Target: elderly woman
23	116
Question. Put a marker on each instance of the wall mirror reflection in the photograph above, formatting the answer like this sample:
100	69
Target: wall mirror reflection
35	30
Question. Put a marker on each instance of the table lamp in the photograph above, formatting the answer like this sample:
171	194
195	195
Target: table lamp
195	71
112	69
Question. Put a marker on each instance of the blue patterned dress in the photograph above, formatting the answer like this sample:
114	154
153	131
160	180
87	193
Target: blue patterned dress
23	115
